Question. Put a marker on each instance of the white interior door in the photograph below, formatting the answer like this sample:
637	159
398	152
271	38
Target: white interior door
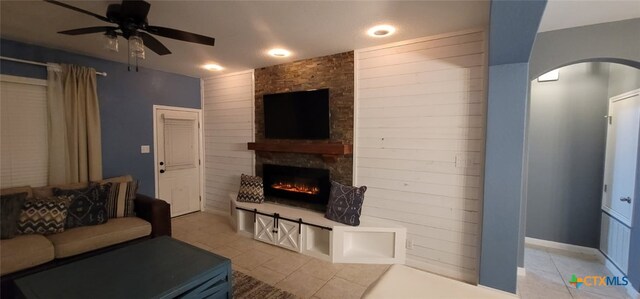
178	158
621	156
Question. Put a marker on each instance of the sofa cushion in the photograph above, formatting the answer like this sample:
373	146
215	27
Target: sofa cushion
88	205
14	190
120	200
86	238
43	216
10	209
24	252
47	191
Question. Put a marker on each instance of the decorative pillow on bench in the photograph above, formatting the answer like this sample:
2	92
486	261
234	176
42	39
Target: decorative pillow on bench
345	203
88	205
251	189
43	216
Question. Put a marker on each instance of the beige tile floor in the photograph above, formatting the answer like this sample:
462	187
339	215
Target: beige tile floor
304	276
548	272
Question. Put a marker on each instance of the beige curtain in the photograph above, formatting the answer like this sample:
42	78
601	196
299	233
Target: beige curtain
75	153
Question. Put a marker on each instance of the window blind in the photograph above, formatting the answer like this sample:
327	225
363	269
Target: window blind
23	132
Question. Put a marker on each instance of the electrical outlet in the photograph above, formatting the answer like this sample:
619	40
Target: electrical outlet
409	244
463	161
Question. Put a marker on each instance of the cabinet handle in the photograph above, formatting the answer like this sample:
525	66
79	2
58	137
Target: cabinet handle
627	199
300	225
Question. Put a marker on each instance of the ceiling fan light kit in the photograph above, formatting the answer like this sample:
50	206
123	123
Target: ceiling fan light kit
111	41
131	19
136	47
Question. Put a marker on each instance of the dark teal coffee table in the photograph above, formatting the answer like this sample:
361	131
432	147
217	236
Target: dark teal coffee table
157	268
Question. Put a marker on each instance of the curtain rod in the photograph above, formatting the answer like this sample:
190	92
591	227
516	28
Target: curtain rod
39	63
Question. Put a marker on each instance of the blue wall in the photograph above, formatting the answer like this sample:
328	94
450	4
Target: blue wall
512	31
126	104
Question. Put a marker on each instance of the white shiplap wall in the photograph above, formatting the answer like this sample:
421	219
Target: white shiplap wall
24	147
419	141
228	104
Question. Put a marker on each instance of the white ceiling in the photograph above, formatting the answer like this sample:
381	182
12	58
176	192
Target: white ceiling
245	30
561	14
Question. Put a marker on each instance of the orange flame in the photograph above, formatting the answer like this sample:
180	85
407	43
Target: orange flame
295	187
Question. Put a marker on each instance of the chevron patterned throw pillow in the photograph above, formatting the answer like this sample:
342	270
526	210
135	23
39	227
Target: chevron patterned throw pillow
44	216
251	189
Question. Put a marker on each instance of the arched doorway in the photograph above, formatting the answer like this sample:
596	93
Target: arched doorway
564	166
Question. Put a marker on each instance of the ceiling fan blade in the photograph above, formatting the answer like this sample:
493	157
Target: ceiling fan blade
135	9
181	35
88	30
99	17
153	44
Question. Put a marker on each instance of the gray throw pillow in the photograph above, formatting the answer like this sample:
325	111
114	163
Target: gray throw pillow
251	189
88	205
345	203
11	207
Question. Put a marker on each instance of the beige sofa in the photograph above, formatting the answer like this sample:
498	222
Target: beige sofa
27	251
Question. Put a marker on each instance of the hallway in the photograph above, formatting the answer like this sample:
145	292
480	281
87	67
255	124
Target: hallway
548	272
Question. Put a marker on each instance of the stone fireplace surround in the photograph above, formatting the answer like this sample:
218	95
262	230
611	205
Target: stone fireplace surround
302	230
335	72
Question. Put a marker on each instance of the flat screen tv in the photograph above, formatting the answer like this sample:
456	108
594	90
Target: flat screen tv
297	115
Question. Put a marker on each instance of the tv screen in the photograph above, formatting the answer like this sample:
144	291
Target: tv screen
297	115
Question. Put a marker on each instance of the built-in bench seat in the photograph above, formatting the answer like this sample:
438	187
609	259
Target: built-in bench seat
374	241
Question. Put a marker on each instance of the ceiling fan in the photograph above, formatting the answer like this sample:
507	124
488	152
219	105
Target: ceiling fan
131	19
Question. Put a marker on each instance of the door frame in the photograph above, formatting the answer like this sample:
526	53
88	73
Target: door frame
200	147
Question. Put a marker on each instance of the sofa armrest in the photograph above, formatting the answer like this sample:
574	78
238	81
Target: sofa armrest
156	212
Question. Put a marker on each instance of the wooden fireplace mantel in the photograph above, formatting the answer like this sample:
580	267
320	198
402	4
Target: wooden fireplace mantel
329	151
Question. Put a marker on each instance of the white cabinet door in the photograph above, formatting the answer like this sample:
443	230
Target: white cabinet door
621	154
289	236
264	229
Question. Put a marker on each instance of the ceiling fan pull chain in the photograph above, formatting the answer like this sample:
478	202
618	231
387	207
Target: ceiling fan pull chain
128	56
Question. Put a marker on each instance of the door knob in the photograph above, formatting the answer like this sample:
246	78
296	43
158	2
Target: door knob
161	170
627	199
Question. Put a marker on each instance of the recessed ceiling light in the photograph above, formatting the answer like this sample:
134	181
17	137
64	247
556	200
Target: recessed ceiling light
279	52
212	67
381	30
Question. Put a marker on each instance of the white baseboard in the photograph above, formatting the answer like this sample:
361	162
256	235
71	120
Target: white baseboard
562	246
461	275
522	271
499	291
585	250
217	212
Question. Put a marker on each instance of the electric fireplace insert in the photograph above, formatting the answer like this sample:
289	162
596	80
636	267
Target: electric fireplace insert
297	186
